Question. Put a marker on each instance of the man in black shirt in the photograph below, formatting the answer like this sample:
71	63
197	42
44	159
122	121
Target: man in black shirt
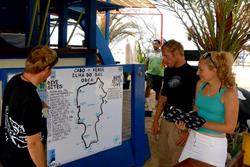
23	122
178	91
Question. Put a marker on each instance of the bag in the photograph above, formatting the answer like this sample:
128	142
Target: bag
191	118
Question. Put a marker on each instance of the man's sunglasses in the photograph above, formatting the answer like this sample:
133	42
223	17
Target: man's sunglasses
208	55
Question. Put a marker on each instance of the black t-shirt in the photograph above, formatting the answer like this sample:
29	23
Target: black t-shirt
22	108
179	86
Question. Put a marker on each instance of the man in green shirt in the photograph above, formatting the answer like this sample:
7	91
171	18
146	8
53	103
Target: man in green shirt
154	74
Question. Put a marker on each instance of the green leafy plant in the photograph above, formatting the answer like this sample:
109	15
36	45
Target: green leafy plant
234	142
140	55
213	25
120	27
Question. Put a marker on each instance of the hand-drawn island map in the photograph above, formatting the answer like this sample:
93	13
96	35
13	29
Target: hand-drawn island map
85	112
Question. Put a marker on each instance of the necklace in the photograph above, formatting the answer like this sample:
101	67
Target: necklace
212	90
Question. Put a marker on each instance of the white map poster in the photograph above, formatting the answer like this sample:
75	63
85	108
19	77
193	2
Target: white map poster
85	114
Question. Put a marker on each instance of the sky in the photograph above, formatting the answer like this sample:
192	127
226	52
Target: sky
174	29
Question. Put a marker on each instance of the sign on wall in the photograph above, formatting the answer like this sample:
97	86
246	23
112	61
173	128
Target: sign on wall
85	112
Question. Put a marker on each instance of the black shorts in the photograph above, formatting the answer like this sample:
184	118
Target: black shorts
154	82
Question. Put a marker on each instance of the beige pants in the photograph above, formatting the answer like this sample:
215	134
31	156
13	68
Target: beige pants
168	151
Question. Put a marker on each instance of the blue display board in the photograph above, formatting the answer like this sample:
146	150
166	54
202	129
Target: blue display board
133	151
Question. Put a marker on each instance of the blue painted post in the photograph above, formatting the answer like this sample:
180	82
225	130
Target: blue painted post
103	48
139	139
63	23
101	45
107	33
90	32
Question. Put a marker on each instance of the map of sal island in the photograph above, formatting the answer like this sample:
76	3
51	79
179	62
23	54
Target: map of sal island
85	112
90	110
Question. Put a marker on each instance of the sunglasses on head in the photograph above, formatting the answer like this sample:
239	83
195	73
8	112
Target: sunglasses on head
208	55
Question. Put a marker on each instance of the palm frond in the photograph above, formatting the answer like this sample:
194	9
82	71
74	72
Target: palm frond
213	24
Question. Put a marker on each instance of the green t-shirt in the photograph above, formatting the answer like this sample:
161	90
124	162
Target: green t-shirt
154	63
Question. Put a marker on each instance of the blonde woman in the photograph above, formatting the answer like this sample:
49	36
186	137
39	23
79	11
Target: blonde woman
217	102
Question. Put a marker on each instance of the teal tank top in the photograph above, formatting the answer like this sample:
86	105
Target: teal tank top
210	108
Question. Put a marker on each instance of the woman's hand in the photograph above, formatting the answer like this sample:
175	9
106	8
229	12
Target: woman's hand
184	133
181	125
